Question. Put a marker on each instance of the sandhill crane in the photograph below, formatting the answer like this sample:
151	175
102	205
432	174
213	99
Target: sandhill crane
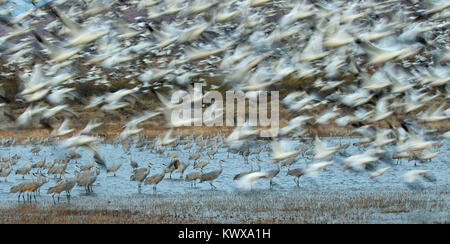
66	185
126	147
113	168
257	151
287	162
39	165
40	181
133	164
155	179
173	154
140	174
188	146
5	171
35	150
171	167
231	150
85	167
212	153
181	167
13	160
57	170
245	153
200	165
211	176
194	156
87	178
28	187
24	170
271	174
302	148
298	172
74	155
150	146
49	165
19	189
193	177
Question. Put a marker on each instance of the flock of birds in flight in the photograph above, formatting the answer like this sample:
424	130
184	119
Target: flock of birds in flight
396	53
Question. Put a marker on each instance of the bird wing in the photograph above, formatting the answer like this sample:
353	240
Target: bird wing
66	21
98	159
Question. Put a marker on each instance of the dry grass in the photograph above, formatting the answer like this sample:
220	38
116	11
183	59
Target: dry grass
257	207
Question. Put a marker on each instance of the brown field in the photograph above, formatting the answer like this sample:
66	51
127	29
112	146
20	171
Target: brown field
112	130
380	206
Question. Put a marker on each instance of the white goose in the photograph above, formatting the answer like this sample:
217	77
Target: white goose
79	35
280	154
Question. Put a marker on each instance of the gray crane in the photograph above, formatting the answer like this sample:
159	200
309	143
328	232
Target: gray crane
66	185
298	172
155	179
211	176
272	173
140	174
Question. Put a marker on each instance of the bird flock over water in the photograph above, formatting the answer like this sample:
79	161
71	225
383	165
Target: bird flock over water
376	69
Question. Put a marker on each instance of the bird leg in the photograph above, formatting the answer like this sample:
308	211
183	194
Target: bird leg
212	185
